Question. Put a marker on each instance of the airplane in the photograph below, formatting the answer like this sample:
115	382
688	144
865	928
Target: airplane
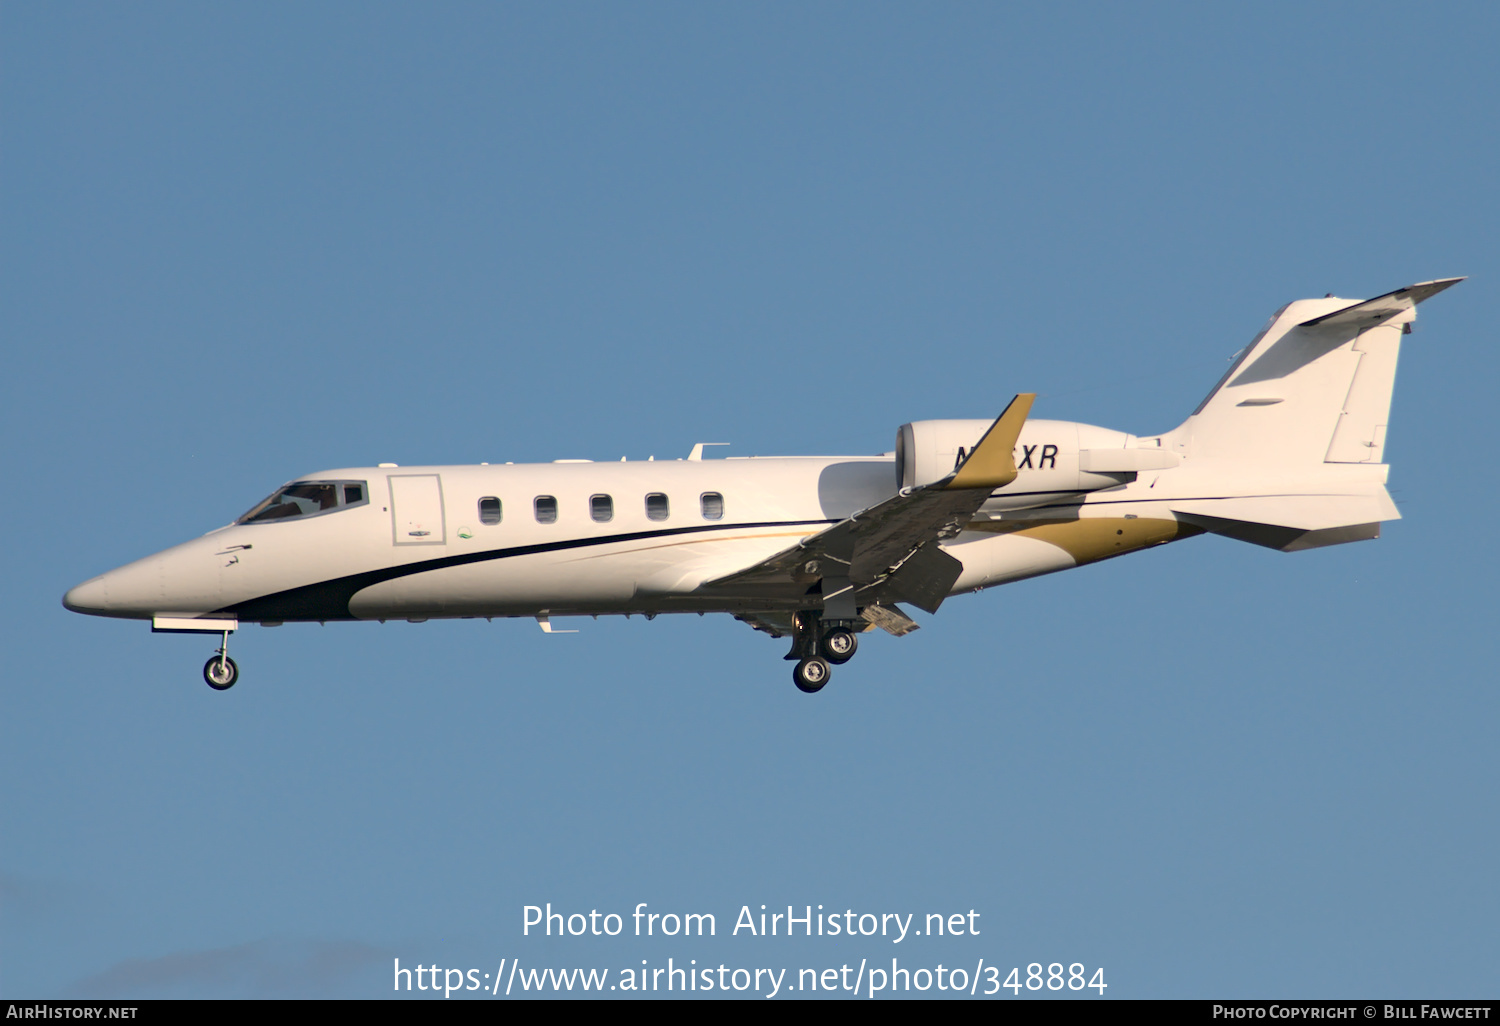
1286	452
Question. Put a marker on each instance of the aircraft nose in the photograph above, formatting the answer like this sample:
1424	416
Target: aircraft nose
184	578
92	596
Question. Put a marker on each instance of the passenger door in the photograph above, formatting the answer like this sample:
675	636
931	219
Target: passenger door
417	509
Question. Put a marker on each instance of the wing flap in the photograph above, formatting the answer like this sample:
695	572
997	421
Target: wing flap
889	619
923	579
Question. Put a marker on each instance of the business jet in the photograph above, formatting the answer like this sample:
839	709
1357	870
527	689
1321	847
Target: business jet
1285	452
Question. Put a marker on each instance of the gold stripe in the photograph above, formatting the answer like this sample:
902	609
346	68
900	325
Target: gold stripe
1094	538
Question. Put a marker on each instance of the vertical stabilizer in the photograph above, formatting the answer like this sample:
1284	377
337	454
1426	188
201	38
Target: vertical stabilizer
1288	449
1313	387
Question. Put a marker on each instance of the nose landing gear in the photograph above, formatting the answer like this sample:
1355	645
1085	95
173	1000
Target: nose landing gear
220	672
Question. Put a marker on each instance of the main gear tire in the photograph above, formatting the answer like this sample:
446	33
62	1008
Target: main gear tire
811	674
839	646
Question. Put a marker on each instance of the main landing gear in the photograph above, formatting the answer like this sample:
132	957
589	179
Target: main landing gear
819	645
839	645
811	674
220	672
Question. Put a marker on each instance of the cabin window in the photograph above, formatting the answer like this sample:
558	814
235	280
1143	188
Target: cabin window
656	506
713	505
489	510
307	499
546	509
601	508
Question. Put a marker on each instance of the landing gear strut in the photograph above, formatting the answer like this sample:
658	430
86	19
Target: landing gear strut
220	672
818	645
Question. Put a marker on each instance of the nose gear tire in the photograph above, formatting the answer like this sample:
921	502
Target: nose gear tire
220	673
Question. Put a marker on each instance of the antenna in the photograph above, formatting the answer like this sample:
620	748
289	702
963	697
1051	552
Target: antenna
697	454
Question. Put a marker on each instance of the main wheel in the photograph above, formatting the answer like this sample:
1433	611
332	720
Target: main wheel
811	674
221	673
839	646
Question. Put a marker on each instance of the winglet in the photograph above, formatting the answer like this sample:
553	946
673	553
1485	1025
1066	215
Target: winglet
992	463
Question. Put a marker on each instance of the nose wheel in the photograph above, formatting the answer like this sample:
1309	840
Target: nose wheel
220	672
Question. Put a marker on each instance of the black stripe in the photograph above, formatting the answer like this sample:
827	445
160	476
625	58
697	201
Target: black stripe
329	600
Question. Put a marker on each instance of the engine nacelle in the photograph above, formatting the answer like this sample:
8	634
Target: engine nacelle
1050	457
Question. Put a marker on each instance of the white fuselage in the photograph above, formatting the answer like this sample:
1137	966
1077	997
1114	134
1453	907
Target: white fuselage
1285	452
418	546
647	536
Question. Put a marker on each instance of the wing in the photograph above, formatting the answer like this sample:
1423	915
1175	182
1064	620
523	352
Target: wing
889	552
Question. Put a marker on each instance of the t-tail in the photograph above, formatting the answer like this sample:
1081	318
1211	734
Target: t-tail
1288	449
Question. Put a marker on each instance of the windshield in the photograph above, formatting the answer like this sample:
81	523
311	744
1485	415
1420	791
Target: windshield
305	499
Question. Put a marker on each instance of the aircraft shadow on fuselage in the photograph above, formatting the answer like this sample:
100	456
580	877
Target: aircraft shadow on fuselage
1291	352
846	488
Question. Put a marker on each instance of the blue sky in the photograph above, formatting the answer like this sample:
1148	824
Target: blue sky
244	243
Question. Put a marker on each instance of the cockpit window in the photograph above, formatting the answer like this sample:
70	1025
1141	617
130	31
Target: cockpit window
306	499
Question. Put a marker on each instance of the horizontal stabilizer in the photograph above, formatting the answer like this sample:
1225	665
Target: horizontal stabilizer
1373	311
